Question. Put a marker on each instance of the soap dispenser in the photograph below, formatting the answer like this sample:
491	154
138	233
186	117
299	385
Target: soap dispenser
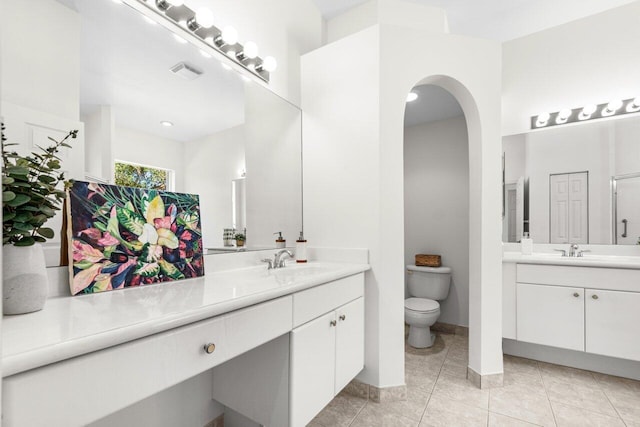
526	244
280	242
301	249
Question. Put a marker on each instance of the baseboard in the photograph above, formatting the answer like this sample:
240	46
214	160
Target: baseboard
376	394
575	359
217	422
484	382
448	328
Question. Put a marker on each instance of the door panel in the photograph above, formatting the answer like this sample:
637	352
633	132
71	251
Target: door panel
349	343
627	209
579	207
559	208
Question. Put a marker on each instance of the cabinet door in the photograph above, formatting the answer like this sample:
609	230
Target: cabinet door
313	348
612	319
550	315
349	342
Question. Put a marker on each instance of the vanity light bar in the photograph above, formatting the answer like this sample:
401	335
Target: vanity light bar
588	112
225	41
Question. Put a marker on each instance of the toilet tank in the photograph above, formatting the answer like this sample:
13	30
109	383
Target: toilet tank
428	282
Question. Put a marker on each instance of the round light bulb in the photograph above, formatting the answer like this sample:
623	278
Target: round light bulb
614	105
564	114
250	50
269	64
412	96
543	118
589	109
204	17
175	2
229	35
636	102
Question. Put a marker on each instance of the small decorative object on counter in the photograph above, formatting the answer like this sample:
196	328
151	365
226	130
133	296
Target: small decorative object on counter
301	249
526	244
227	236
424	260
280	242
30	197
240	239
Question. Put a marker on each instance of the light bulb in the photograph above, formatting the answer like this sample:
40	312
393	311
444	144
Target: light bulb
636	102
589	109
613	106
634	106
250	50
166	123
543	119
563	116
269	64
229	35
231	53
412	96
204	17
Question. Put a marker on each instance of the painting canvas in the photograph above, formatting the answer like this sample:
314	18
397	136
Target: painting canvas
121	237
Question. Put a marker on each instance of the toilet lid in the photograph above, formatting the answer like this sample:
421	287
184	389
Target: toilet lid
421	304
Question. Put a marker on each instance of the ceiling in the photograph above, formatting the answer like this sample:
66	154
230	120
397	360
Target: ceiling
497	19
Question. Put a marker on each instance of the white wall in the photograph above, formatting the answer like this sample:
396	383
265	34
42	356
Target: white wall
591	60
436	205
353	172
99	129
210	165
515	155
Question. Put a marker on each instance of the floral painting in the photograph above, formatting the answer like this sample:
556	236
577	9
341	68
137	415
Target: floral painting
122	237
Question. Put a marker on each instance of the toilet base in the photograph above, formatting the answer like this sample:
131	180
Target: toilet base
421	337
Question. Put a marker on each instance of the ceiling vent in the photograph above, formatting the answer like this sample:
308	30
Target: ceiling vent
186	71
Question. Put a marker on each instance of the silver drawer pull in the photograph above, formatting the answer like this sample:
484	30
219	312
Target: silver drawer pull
342	317
209	348
333	323
575	294
594	296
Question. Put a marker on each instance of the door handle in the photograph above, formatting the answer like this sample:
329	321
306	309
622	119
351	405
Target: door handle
624	233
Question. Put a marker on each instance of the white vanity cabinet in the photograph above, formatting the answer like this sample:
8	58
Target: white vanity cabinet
550	315
327	351
612	322
590	309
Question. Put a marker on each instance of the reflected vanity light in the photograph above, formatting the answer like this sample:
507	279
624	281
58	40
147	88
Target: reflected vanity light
412	96
179	39
588	112
166	123
200	24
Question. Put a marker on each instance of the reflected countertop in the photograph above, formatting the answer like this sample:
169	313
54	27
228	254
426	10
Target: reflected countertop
72	326
587	260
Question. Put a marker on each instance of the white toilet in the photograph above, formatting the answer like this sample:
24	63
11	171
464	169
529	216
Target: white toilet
427	286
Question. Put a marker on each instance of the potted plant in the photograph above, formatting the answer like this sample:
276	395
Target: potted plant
30	197
240	239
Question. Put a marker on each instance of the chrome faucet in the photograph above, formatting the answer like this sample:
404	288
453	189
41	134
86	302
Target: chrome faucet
573	247
574	251
278	259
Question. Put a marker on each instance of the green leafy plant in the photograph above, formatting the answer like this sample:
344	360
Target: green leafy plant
30	196
240	236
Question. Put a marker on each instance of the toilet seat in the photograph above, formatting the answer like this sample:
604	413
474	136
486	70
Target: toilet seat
421	305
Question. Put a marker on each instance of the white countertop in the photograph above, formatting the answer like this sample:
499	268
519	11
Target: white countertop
587	260
72	326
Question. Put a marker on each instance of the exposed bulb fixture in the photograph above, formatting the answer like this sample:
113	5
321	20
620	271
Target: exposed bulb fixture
202	19
229	35
250	50
269	64
412	96
563	116
543	119
587	111
166	123
612	107
167	4
634	106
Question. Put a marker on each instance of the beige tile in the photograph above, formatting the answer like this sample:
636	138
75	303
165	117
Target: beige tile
455	367
570	416
420	377
566	374
627	405
340	411
461	390
443	412
387	394
611	384
374	415
459	353
578	395
522	403
534	382
357	388
498	420
519	365
314	424
412	407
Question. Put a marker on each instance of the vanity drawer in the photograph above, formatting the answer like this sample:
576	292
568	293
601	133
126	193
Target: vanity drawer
314	302
84	389
583	277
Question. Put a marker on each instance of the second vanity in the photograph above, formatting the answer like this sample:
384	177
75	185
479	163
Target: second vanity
283	343
588	305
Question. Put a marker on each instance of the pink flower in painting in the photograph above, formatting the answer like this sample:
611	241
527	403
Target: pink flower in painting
85	252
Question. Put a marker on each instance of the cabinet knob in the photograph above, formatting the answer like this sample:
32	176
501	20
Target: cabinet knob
333	323
343	317
594	296
209	348
575	294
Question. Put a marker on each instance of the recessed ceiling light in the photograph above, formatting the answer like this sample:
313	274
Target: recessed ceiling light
166	123
412	96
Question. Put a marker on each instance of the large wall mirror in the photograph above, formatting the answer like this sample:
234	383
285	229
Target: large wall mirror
148	100
576	183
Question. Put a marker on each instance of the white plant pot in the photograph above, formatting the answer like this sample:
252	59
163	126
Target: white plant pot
24	279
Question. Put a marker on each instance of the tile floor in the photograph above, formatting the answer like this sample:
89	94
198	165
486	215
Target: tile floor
535	393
